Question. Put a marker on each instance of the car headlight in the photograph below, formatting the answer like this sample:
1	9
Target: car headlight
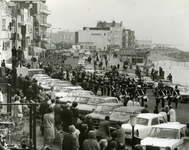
168	148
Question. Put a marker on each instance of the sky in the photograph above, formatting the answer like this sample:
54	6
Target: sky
162	21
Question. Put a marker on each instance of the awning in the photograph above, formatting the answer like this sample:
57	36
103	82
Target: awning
49	46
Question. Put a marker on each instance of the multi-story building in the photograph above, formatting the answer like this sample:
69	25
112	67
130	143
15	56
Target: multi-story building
104	36
31	25
128	38
5	30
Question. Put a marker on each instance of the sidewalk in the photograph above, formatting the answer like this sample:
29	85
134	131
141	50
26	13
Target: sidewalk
39	137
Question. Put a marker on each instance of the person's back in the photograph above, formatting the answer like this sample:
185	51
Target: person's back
70	140
91	143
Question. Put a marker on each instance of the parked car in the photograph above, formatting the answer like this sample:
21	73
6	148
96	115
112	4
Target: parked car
41	79
122	114
149	81
184	93
66	90
93	102
48	83
144	123
102	110
167	136
75	95
39	75
32	72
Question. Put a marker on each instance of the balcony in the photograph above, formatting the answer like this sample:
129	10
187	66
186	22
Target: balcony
44	11
46	25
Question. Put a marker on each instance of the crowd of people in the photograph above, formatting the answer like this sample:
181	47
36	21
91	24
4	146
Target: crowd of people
80	134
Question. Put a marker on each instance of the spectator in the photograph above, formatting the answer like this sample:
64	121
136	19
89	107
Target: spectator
121	133
42	110
162	112
156	111
75	113
83	135
187	130
57	114
104	129
1	99
172	114
145	110
17	109
52	94
114	136
103	144
91	143
29	93
89	122
70	139
66	117
48	123
35	87
113	145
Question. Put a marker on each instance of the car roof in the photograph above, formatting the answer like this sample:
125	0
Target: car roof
170	125
73	87
129	108
111	104
52	79
149	115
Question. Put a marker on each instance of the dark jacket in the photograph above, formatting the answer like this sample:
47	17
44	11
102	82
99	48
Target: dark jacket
57	114
69	142
66	117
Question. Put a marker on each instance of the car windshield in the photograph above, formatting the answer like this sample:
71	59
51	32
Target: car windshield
95	101
81	100
142	121
164	133
120	114
103	110
57	88
66	90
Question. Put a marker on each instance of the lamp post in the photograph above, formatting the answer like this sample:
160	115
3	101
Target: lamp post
133	123
51	35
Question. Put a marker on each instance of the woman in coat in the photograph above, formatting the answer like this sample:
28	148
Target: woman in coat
48	123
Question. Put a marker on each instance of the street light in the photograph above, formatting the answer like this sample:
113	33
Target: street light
51	35
133	123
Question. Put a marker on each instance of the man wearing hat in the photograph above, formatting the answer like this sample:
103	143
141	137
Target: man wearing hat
66	117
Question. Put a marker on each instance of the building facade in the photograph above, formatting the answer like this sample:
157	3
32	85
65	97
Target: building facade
104	36
128	38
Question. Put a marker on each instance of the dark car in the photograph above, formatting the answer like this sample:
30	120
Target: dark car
103	110
122	114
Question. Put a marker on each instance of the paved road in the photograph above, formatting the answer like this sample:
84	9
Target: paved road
182	110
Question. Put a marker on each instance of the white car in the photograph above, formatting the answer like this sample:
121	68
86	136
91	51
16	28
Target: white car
144	123
166	136
66	90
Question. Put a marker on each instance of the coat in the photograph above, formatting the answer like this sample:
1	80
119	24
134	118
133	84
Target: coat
69	142
104	129
66	117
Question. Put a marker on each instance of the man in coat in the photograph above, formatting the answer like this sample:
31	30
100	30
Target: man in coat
66	117
70	140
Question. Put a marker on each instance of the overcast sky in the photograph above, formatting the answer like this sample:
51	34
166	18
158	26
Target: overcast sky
163	21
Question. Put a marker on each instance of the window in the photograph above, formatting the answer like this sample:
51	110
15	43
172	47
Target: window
3	24
155	121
